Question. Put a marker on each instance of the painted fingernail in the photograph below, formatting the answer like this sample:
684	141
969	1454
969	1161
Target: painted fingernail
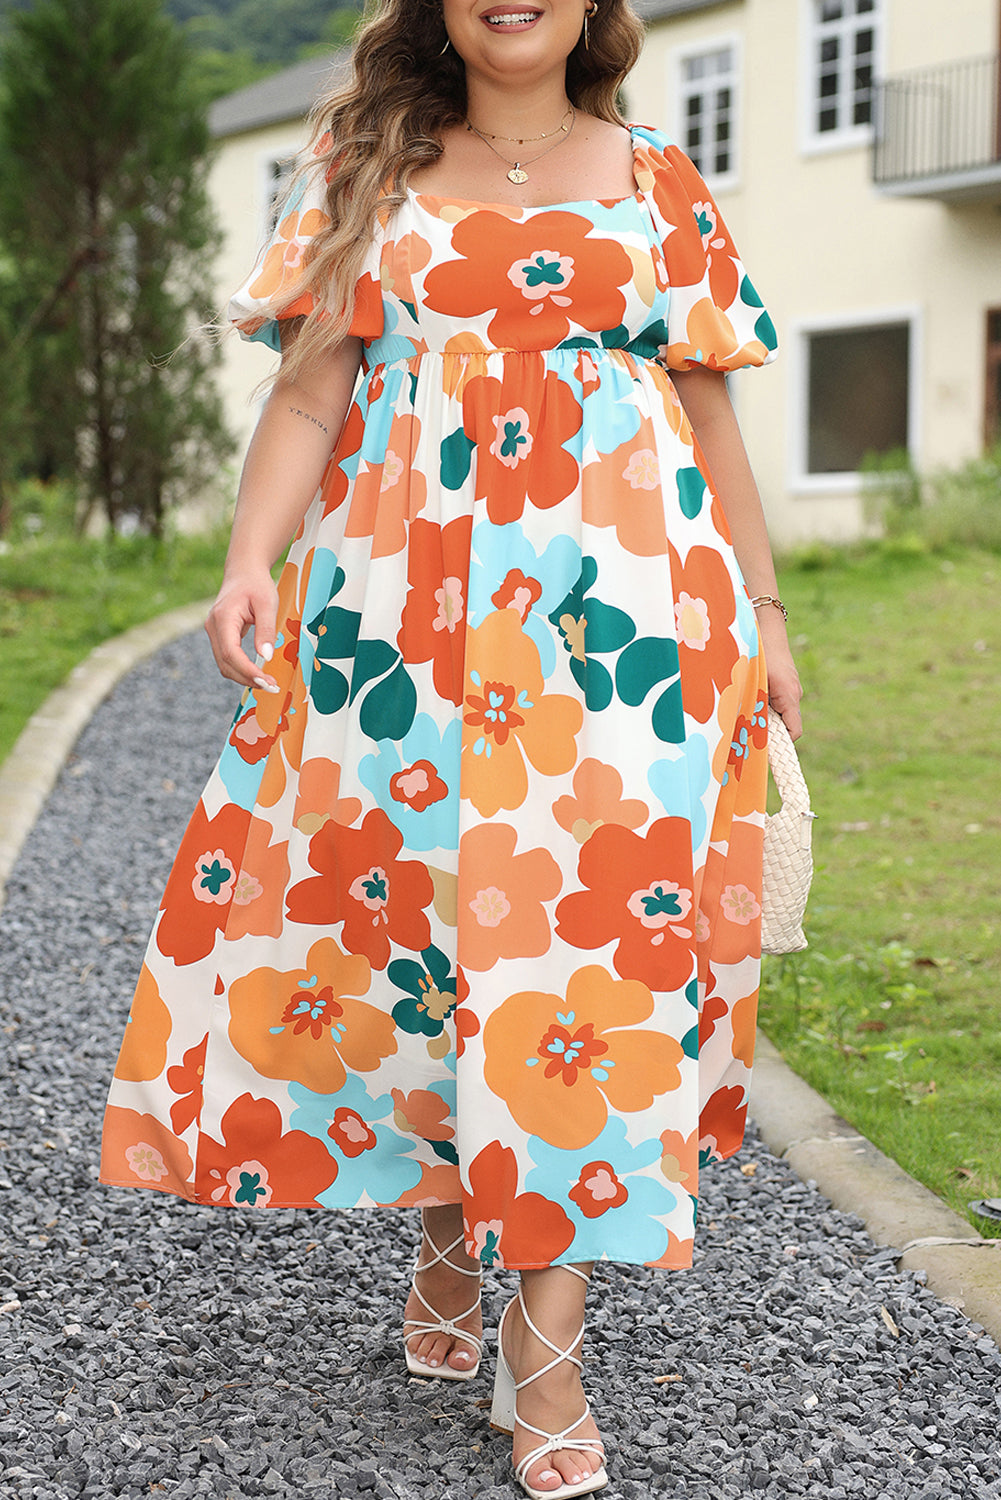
267	651
265	686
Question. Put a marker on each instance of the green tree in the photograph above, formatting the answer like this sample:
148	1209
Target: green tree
105	215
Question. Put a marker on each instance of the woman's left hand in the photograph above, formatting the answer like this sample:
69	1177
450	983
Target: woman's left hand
784	687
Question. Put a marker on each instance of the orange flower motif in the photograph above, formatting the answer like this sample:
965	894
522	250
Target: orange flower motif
740	761
438	1184
387	496
559	1063
304	1025
639	894
422	1113
186	1080
400	260
615	493
597	1189
257	1164
212	874
508	716
501	897
379	898
512	470
433	624
285	260
728	897
137	1150
680	1161
540	274
503	1226
704	614
144	1048
722	1122
743	1020
317	801
597	799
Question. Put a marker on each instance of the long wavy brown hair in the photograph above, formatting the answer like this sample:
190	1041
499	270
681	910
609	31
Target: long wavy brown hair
370	134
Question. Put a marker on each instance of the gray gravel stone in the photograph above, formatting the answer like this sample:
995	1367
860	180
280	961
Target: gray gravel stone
148	1346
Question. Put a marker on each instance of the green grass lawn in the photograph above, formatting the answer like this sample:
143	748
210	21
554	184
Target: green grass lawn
894	1013
59	598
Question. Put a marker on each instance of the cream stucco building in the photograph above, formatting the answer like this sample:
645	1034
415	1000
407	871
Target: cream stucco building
854	147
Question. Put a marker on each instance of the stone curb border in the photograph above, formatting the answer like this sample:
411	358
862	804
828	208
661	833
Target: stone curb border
799	1125
795	1122
29	773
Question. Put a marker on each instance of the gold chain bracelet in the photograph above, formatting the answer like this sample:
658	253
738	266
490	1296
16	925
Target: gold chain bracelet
770	599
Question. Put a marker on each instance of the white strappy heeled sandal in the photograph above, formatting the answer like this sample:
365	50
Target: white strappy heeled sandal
504	1412
418	1327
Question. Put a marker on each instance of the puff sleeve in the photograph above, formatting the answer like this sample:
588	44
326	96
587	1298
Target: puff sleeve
281	264
715	317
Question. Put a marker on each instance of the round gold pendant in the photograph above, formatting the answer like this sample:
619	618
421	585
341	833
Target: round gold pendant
517	174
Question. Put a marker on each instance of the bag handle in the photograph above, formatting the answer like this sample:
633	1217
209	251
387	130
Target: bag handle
785	767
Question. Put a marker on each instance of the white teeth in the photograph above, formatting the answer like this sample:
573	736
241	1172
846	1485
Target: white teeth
515	20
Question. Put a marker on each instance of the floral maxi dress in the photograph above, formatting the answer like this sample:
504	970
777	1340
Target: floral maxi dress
470	909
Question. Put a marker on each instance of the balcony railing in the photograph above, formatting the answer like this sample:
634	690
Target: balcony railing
938	132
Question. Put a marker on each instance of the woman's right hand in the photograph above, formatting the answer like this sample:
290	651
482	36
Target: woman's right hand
244	600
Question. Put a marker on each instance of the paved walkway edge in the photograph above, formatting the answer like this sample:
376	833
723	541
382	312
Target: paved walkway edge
799	1125
29	773
795	1121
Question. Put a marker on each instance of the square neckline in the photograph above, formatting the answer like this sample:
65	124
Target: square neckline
611	202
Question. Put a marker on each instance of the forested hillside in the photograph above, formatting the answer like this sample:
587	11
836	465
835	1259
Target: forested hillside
238	41
271	31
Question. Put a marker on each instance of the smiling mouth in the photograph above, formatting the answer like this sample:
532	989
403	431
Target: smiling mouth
512	18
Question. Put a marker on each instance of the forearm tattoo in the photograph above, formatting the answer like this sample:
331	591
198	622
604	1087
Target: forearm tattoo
296	412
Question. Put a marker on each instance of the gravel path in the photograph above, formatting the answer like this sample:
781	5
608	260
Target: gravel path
148	1346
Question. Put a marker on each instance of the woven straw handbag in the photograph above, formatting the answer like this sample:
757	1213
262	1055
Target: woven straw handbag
788	856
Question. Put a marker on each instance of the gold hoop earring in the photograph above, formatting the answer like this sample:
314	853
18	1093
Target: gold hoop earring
587	16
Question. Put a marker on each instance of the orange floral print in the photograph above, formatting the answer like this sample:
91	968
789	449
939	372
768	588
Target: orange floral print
640	894
501	896
257	1163
379	898
285	260
614	494
558	1063
433	627
508	717
144	1049
307	1024
512	266
597	799
186	1079
511	471
138	1150
388	496
422	1113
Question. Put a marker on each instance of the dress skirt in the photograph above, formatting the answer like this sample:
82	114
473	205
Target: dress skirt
470	910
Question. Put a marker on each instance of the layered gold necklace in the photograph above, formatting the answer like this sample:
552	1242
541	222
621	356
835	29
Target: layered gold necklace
516	169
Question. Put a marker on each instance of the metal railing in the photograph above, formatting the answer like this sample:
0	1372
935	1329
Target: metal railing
938	122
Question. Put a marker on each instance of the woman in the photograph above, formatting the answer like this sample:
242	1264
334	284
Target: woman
467	915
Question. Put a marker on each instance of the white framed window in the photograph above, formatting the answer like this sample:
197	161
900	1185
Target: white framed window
275	172
706	91
842	57
855	384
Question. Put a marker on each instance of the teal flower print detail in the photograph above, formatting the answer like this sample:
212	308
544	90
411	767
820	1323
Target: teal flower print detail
251	1188
513	435
644	665
589	628
543	271
214	876
378	676
430	993
490	1252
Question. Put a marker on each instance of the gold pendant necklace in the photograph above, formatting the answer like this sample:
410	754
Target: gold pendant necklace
516	170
